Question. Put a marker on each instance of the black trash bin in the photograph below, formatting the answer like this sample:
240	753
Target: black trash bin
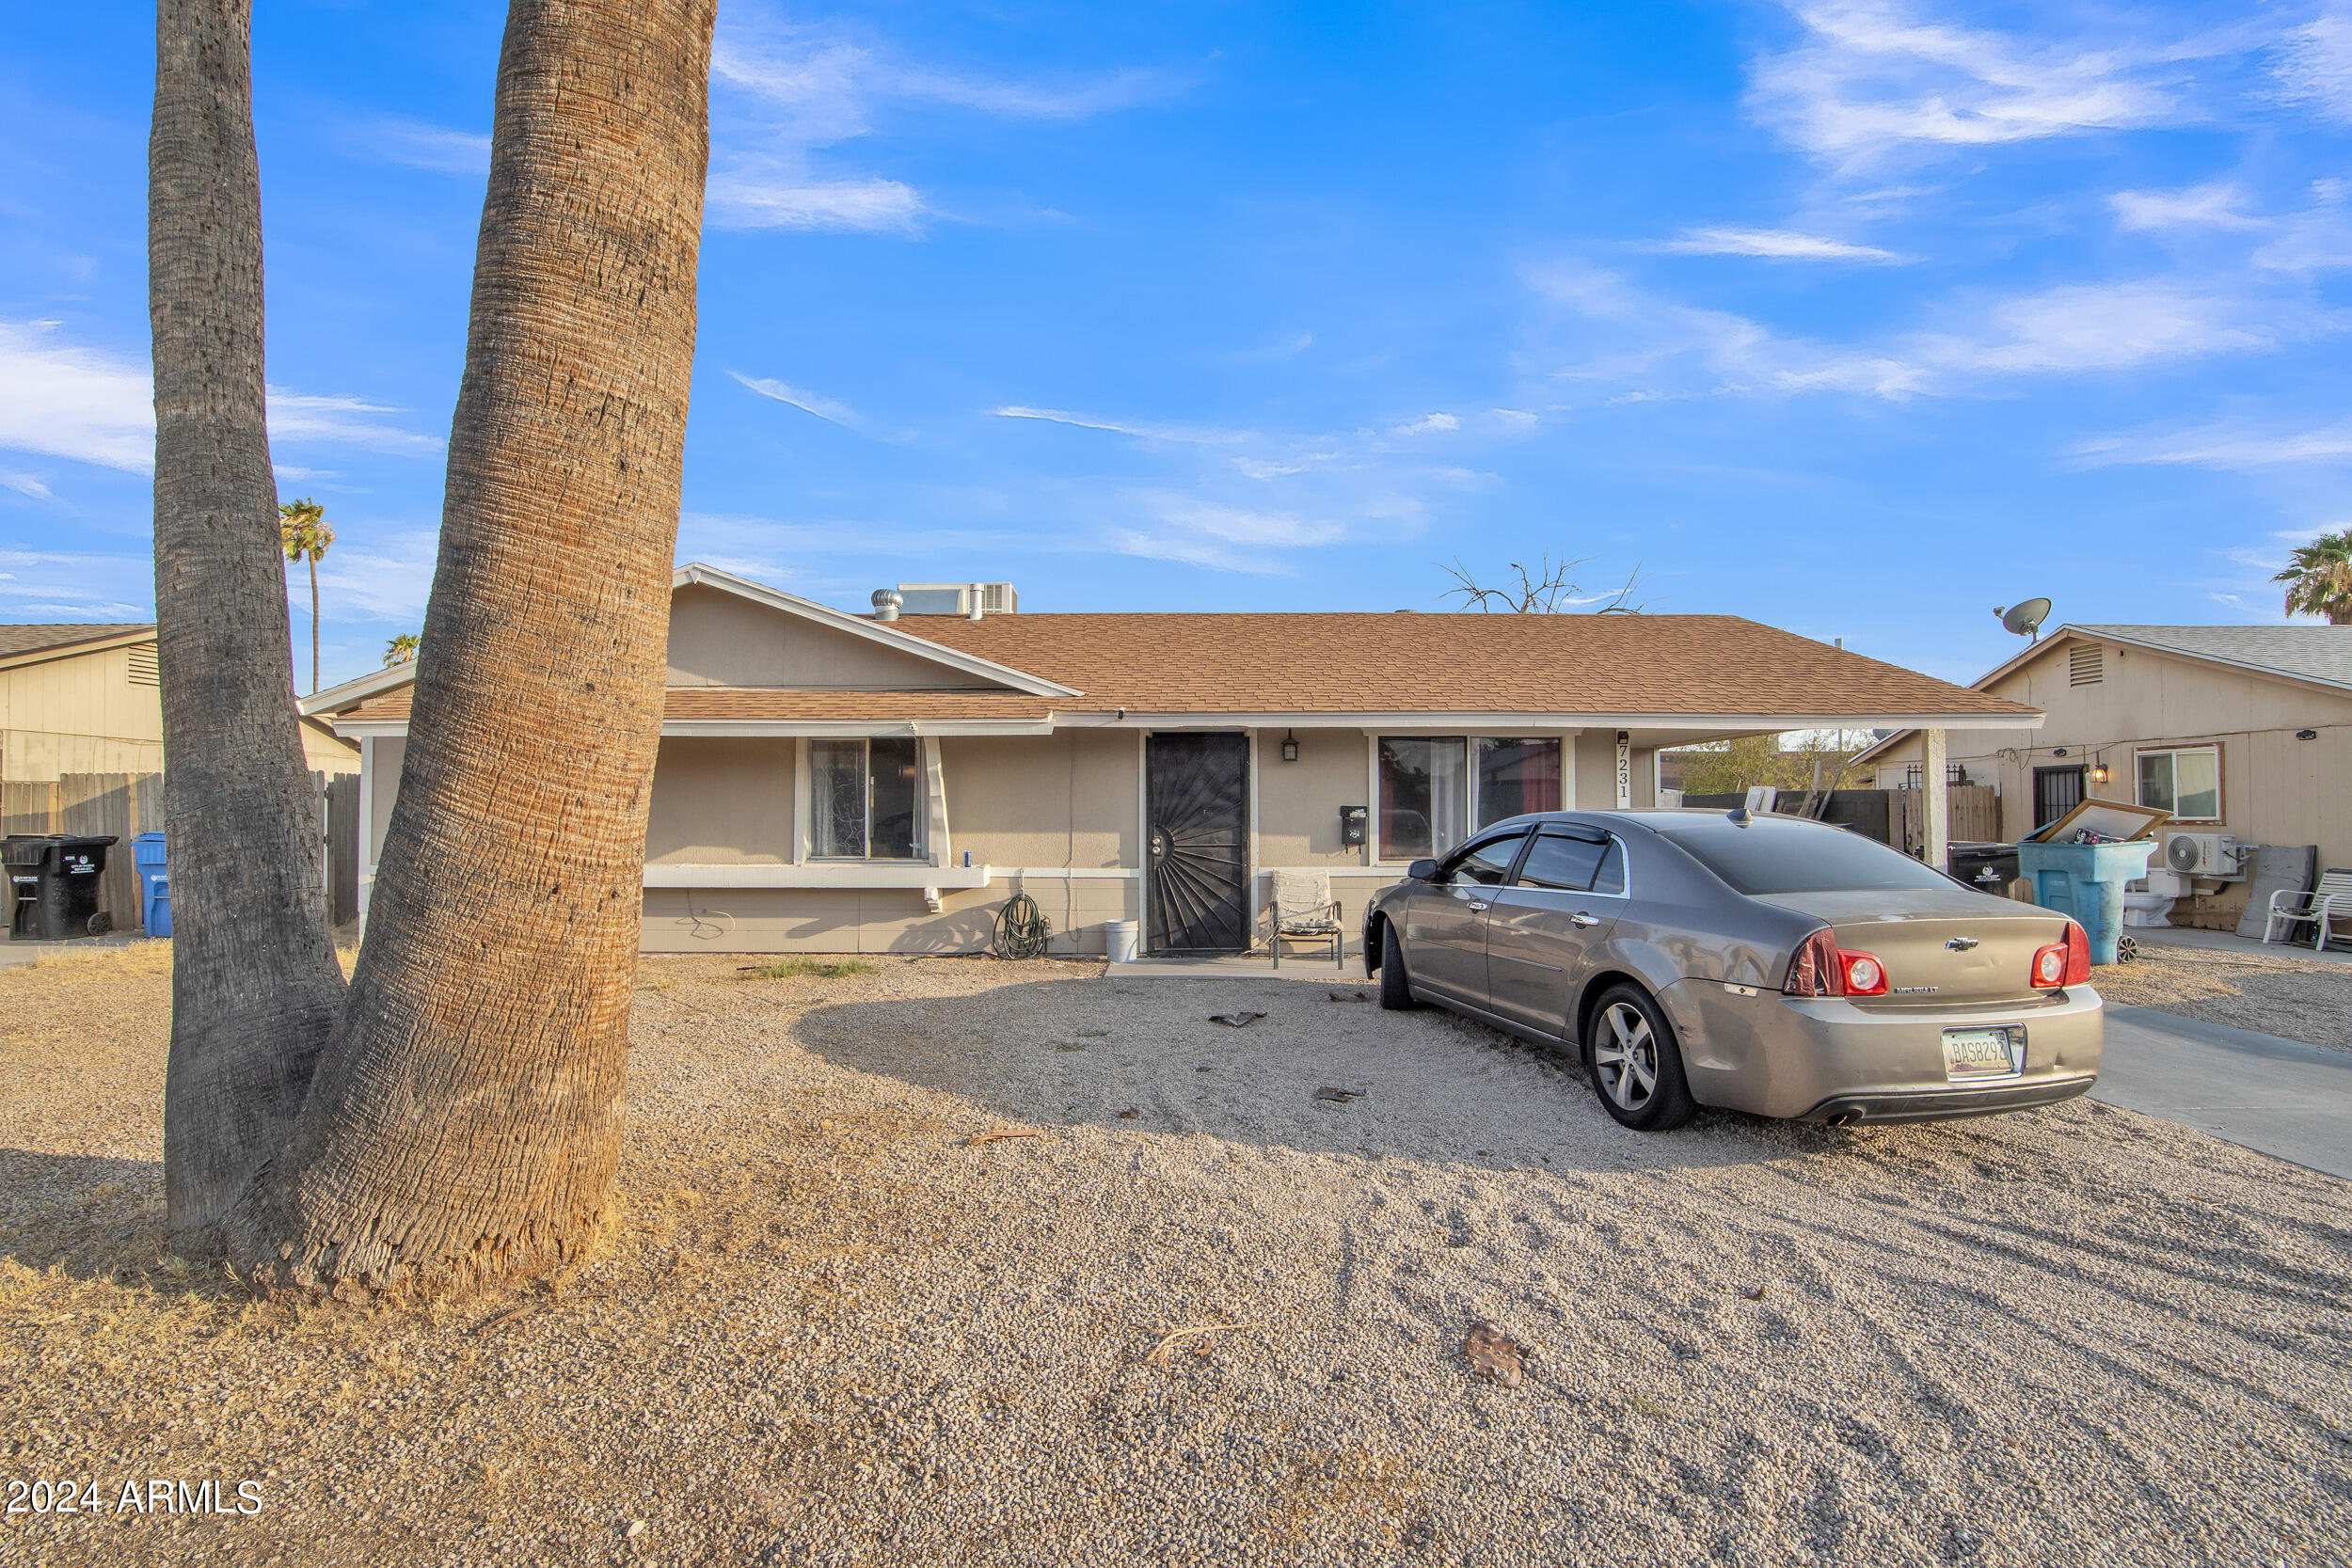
1990	867
54	879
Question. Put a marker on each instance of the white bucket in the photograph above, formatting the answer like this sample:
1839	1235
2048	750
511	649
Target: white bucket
1119	939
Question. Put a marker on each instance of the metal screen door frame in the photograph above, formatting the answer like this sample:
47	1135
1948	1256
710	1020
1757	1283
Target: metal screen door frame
1196	841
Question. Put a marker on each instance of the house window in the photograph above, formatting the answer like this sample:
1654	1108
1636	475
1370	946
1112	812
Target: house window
2185	781
1436	790
865	799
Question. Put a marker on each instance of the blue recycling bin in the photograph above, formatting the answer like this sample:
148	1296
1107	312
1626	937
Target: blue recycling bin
2085	881
147	850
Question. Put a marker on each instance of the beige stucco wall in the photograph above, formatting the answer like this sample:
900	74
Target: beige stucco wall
2275	790
1072	798
722	802
79	714
721	638
1298	802
388	752
840	920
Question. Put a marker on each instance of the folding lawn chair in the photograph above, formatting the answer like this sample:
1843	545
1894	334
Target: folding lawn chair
2330	901
1304	910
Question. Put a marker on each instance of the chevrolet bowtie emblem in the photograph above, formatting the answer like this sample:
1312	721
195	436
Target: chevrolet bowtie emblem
1961	945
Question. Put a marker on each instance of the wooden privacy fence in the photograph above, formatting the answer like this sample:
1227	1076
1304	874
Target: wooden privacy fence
1972	815
124	805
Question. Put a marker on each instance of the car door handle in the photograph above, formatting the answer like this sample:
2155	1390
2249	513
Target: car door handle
1580	919
1476	905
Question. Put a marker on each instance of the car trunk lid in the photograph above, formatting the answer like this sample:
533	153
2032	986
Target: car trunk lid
1942	948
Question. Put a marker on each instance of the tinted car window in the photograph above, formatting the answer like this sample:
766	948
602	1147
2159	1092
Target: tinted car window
1768	856
1486	863
1573	865
1561	865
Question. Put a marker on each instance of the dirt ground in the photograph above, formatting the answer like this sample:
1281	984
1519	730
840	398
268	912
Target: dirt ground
836	1331
2273	993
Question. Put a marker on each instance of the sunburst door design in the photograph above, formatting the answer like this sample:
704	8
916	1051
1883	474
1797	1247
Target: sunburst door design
1197	792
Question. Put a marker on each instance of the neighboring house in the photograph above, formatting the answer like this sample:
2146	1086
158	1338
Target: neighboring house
80	698
2237	730
835	782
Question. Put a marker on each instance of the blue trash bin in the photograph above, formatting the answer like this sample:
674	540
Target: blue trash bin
2085	881
147	850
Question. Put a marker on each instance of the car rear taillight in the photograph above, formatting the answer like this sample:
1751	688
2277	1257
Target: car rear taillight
2064	962
1866	975
1822	967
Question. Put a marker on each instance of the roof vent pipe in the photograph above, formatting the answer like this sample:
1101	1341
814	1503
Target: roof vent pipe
978	593
886	603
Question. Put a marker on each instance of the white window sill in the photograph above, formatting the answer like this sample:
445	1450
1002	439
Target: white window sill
821	874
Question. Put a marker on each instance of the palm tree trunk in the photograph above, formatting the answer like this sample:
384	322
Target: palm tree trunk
254	983
464	1123
314	623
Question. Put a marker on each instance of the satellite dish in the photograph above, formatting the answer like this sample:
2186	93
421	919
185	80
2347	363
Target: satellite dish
2025	619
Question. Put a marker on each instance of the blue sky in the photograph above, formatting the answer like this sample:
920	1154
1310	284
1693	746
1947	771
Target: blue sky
1860	319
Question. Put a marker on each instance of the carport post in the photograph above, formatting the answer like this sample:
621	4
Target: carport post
1938	803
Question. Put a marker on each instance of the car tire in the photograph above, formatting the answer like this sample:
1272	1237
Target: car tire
1396	989
1635	1062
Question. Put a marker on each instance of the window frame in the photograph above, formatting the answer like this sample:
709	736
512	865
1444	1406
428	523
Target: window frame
2221	778
1383	855
1477	840
1625	864
921	852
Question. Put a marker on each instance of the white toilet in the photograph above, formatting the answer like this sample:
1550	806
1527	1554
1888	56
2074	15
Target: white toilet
2149	901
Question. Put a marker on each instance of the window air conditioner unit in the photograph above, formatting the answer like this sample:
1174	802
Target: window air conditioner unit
2214	855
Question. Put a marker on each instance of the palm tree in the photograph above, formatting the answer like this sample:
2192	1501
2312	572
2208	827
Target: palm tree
401	649
2319	580
464	1123
305	533
254	983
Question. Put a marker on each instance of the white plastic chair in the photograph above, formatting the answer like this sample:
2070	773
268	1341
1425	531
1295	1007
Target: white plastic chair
1304	910
2330	901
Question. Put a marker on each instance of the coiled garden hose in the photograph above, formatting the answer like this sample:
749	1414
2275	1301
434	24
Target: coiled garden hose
1022	928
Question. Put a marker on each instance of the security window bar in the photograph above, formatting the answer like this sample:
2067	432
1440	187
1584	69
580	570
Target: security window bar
1436	790
2185	781
865	799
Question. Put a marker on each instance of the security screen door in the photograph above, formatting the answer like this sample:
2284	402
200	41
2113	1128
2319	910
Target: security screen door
1196	807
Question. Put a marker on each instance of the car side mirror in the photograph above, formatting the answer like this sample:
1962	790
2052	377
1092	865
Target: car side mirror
1423	870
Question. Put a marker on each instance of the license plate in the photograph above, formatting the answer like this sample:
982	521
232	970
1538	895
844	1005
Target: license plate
1971	1054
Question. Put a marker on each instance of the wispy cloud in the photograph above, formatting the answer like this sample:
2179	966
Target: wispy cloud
2235	445
44	585
1777	244
414	144
1872	78
27	486
786	94
1635	336
1194	436
386	576
1428	424
2210	206
808	403
341	422
2314	65
64	400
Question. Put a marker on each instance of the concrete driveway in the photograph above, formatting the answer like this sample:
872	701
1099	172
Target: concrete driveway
2258	1091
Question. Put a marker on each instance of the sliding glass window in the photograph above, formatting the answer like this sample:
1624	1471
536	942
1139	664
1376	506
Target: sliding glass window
865	799
1436	790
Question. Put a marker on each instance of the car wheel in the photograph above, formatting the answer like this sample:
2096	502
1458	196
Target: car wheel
1396	991
1635	1064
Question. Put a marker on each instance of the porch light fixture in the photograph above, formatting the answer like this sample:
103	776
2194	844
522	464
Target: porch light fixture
2099	772
1290	746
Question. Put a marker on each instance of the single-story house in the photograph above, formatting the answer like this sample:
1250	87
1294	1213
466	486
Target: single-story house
830	781
83	698
2243	731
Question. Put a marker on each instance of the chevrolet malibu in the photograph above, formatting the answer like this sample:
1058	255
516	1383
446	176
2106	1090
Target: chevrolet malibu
1756	963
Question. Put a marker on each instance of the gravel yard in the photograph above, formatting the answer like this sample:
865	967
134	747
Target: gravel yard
834	1330
2273	993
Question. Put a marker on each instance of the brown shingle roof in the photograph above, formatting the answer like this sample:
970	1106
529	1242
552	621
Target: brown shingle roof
1319	662
776	704
40	637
